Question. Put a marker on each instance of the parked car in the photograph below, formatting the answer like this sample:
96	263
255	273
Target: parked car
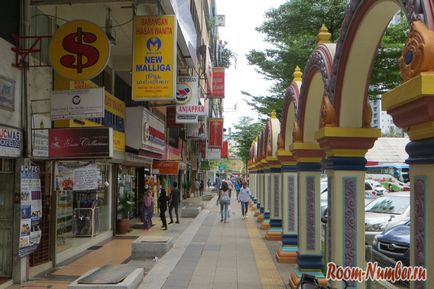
384	210
372	190
394	243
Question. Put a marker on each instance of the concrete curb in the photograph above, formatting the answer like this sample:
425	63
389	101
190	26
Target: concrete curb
159	273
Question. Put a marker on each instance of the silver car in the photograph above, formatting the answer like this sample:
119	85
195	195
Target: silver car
384	212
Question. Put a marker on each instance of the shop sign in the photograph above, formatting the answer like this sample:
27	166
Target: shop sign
137	160
80	177
154	58
154	135
79	103
40	126
187	118
187	96
79	50
11	142
218	83
31	210
94	142
213	154
7	93
215	128
166	167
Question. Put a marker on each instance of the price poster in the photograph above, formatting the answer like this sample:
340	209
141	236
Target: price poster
31	210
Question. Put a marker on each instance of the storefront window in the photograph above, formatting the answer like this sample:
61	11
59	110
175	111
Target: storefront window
82	208
127	185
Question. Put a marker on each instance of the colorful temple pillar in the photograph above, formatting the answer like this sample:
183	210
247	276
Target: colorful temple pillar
309	256
411	106
275	228
345	164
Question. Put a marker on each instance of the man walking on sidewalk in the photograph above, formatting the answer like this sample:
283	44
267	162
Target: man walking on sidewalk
244	198
175	198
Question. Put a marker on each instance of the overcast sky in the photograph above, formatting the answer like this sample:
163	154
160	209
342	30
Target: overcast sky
242	17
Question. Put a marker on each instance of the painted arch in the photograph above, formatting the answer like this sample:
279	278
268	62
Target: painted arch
361	32
314	89
292	96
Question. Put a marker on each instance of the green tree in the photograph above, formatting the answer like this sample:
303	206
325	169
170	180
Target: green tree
246	130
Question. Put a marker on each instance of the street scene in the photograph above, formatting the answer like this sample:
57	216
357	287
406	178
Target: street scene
189	144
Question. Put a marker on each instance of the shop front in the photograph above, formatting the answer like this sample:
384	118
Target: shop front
81	188
132	176
10	149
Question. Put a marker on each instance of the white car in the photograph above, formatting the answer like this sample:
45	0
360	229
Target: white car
374	188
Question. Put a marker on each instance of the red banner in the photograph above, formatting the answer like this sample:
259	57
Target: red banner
218	83
80	142
225	150
215	128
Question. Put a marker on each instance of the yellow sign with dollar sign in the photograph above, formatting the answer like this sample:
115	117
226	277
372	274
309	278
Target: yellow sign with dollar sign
79	50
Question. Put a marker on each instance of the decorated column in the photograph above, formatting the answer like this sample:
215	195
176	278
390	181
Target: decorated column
412	108
345	150
267	197
309	256
287	253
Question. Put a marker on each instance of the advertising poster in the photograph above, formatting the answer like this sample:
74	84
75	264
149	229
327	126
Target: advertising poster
154	58
77	103
80	177
31	210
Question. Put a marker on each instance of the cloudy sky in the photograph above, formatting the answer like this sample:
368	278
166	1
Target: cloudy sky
242	16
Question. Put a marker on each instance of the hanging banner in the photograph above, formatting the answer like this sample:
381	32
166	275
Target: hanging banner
154	58
218	83
31	210
215	129
225	150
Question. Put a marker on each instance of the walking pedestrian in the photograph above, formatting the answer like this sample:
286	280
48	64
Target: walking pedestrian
244	198
196	188
148	208
201	187
224	197
175	198
238	187
218	183
162	204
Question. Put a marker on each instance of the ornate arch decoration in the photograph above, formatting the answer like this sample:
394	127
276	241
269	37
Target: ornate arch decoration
314	89
363	27
285	138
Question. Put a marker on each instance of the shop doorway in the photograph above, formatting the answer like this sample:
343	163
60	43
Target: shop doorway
6	216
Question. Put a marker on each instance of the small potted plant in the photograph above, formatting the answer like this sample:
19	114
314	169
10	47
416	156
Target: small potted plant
124	208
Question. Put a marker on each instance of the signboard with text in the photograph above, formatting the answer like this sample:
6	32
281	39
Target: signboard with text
218	83
11	142
80	142
78	103
154	58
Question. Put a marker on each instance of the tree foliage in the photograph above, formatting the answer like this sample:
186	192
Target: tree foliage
246	130
292	29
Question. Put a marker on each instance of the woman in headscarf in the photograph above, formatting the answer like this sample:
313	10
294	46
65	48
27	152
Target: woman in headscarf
148	208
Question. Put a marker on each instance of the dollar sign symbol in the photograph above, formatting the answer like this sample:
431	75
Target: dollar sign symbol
74	43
